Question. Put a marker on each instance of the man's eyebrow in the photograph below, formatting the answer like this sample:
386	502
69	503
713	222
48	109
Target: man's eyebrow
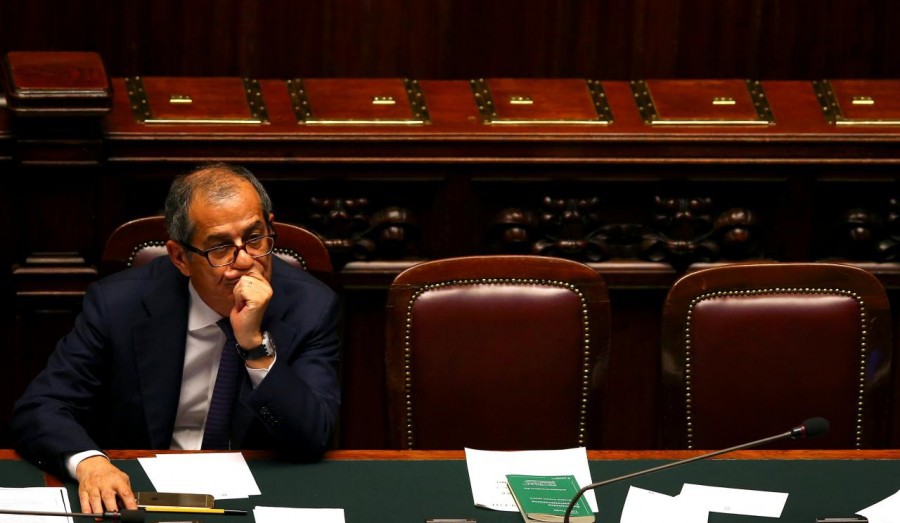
226	238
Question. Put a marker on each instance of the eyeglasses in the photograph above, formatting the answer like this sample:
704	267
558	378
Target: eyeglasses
223	255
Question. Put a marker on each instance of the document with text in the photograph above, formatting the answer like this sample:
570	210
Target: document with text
488	470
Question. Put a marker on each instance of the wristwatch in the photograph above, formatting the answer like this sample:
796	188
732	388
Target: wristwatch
267	348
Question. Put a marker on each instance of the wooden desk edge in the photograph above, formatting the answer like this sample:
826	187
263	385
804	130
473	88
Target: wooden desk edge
614	455
424	455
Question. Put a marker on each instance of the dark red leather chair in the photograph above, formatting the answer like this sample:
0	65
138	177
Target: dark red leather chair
139	241
496	352
749	351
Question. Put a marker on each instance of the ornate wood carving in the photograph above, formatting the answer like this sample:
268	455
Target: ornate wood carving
870	235
684	230
352	231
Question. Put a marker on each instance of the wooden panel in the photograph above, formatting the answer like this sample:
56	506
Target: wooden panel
642	204
604	39
515	101
702	102
324	101
860	102
51	83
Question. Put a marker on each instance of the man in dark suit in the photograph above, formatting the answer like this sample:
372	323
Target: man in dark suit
148	362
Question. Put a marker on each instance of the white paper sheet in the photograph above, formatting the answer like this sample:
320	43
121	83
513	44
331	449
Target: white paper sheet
225	475
298	515
45	499
647	506
488	470
735	501
885	511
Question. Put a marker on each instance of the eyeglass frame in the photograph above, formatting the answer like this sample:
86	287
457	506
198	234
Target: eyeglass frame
237	250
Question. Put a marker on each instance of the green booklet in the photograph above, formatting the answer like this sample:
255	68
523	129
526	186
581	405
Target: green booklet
546	498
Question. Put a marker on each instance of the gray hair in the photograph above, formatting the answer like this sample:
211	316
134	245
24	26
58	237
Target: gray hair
216	182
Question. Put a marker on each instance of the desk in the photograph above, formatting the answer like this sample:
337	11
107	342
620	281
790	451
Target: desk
412	486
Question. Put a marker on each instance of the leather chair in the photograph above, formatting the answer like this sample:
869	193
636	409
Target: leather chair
139	241
750	351
496	352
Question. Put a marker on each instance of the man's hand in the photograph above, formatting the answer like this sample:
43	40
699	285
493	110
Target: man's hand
251	298
99	482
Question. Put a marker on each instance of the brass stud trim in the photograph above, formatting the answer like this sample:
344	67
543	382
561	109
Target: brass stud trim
863	346
141	246
407	345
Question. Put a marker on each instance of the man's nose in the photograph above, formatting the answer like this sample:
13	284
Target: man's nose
243	260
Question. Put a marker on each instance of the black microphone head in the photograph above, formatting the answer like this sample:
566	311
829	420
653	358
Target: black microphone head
810	428
131	516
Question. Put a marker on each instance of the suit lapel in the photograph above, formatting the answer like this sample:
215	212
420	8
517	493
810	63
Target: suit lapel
159	352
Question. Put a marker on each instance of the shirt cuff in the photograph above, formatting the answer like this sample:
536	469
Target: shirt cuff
73	460
257	375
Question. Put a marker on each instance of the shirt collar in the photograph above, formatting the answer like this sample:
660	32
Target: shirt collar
200	315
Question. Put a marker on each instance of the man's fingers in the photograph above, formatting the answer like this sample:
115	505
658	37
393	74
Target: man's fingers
99	482
109	500
95	502
127	497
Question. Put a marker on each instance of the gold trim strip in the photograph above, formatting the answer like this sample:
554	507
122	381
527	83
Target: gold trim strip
485	103
832	109
644	100
304	114
140	106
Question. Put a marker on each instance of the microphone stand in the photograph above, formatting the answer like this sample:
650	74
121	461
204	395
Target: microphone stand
582	490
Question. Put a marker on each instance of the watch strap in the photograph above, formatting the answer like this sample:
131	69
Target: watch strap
266	348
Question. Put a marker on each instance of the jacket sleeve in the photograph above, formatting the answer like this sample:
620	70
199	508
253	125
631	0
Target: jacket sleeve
298	401
49	421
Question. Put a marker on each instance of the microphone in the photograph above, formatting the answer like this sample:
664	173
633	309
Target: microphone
808	429
124	516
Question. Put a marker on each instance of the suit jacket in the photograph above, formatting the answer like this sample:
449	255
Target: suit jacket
114	381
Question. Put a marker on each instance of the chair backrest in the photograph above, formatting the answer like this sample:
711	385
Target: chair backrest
139	241
750	351
496	352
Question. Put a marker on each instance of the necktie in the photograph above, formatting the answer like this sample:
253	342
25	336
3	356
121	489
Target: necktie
218	420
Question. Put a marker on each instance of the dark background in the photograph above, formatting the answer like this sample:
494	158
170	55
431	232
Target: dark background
461	39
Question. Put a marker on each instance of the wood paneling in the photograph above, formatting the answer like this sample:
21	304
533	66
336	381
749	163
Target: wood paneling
606	39
642	203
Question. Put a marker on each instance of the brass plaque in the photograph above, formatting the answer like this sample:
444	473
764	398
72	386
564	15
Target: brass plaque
702	102
165	100
859	102
512	101
323	101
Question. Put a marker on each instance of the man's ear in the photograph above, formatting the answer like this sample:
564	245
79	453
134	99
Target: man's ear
179	256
